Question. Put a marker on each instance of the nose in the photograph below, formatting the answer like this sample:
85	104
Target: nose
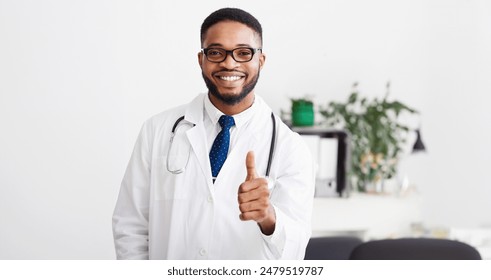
229	62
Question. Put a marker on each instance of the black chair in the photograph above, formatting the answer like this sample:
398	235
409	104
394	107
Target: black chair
415	249
331	248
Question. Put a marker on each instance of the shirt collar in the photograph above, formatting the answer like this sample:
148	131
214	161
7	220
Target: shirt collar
240	119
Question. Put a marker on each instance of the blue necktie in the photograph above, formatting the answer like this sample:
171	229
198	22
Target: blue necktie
219	150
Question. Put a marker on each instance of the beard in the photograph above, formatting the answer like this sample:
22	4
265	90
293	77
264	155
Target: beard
230	98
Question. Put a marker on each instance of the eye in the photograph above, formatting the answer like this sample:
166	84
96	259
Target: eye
243	52
214	52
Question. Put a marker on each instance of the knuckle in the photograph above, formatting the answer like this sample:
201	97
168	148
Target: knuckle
242	208
265	203
242	187
246	216
263	213
263	195
263	181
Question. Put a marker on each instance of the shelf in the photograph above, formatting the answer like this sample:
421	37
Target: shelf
368	216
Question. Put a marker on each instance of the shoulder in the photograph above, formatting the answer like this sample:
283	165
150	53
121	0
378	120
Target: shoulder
164	117
285	136
292	144
164	120
290	136
191	110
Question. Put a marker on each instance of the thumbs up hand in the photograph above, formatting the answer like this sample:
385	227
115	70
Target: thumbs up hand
254	203
251	166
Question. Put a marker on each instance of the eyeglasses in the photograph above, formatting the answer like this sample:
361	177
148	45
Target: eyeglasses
218	55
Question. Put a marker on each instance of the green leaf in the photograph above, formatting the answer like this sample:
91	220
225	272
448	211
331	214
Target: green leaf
352	98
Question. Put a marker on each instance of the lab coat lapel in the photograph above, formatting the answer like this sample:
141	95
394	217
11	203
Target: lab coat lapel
197	137
237	155
248	139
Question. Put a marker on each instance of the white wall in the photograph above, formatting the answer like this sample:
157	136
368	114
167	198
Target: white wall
78	78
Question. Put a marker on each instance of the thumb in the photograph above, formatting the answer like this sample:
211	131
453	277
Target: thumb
251	166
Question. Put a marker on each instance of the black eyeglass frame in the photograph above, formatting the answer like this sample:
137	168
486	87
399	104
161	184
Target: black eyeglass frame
231	53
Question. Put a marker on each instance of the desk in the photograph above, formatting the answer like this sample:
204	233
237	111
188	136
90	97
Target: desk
368	216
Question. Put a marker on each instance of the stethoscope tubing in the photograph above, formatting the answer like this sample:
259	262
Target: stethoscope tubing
271	149
272	146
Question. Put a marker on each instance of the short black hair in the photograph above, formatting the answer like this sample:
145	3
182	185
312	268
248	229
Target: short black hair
231	14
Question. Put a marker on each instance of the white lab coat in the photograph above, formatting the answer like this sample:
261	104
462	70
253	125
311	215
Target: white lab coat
160	215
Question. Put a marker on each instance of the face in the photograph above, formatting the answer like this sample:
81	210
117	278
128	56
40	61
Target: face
231	83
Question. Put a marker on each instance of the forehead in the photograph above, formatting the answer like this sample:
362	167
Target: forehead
230	34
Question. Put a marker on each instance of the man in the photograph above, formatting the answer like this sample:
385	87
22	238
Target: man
203	193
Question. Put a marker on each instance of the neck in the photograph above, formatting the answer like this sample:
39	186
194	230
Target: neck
232	109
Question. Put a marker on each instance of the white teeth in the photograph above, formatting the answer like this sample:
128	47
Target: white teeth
230	78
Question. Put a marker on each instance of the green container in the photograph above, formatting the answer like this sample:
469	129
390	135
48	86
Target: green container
302	113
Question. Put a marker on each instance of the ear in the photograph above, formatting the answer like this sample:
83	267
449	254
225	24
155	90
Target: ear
200	60
262	60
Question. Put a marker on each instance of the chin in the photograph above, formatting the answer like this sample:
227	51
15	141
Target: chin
228	93
230	96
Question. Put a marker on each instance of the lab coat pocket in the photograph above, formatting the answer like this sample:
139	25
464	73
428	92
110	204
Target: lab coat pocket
169	180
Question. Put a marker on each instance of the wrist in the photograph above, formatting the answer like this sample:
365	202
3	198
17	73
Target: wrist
268	225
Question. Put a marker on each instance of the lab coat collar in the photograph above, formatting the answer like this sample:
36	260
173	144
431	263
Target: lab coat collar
194	112
259	110
197	134
240	119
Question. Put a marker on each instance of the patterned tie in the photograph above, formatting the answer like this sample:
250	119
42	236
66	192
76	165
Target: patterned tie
219	150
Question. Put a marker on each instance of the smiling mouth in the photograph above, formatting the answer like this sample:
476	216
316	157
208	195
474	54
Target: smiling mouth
230	78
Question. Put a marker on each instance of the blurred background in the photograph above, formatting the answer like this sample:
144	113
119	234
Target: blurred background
78	79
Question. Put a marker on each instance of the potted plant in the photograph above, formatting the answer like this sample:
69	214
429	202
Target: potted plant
377	135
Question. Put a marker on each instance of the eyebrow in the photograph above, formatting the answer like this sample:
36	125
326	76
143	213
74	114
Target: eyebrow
220	45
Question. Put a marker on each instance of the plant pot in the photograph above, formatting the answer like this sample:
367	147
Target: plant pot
302	113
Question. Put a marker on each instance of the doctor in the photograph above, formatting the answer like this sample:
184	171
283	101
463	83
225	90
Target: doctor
196	184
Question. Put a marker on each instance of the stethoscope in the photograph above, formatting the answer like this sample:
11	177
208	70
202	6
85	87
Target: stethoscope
180	170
